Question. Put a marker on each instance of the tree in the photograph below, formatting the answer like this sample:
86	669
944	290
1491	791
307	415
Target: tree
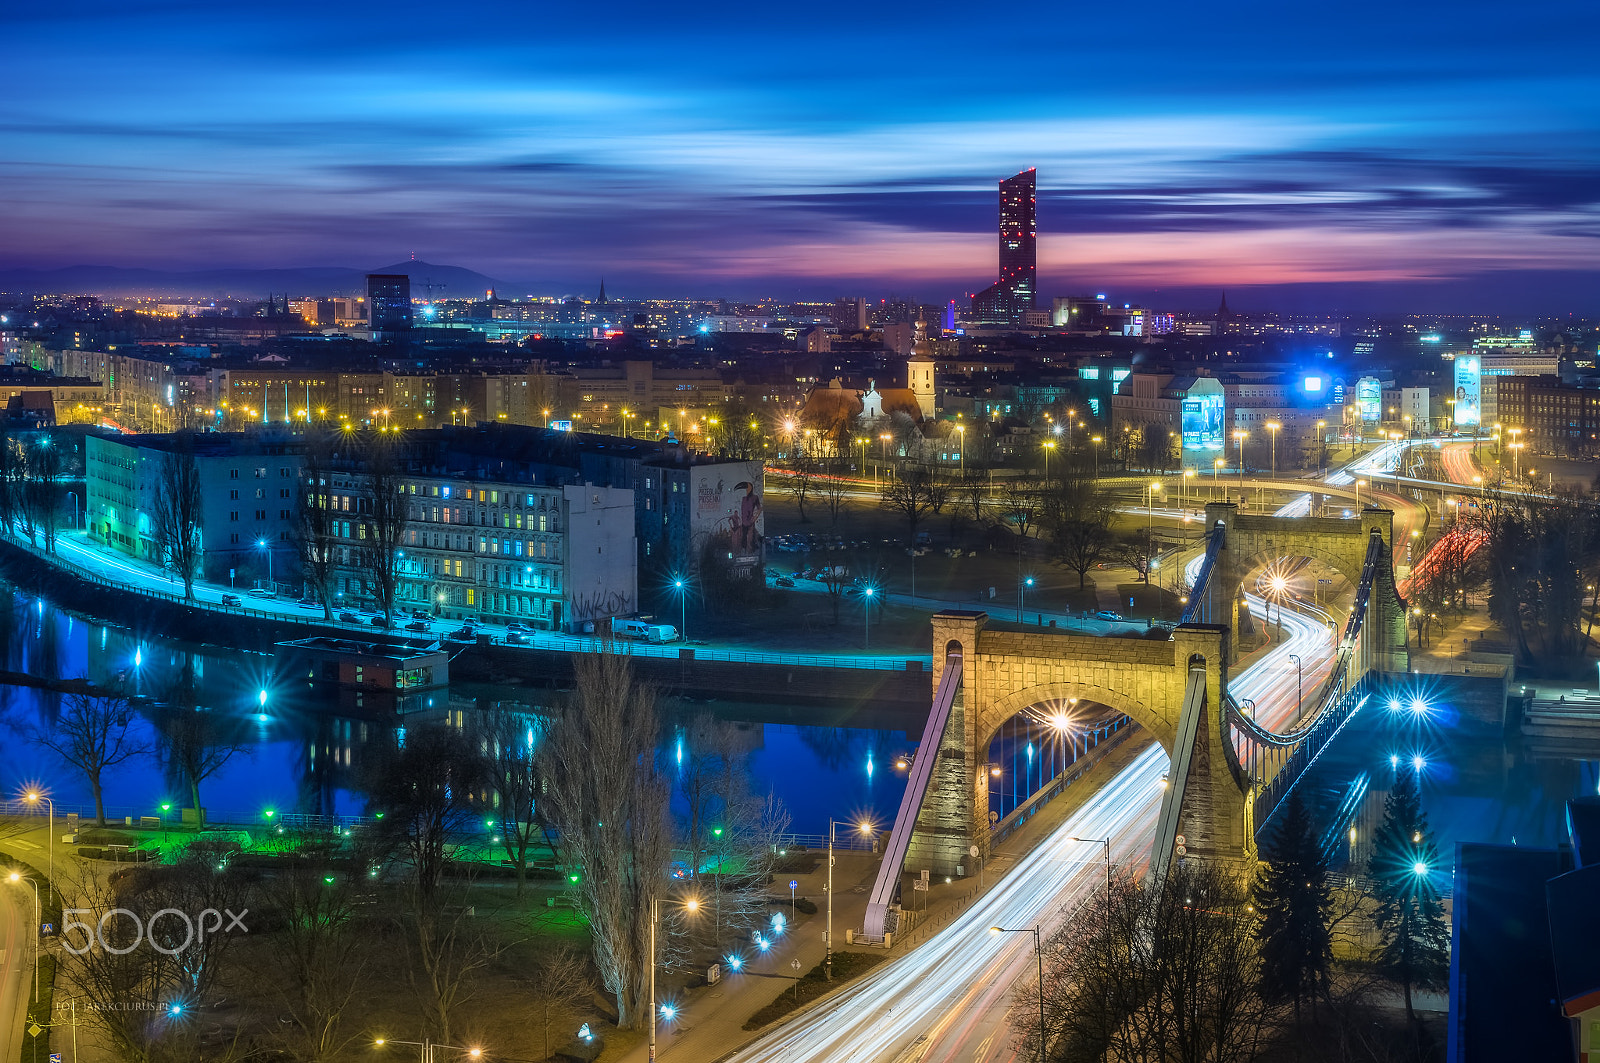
315	526
836	579
1137	549
834	486
1536	551
178	511
425	789
558	982
11	476
1077	515
801	478
1296	905
319	958
92	734
508	743
610	806
1165	971
41	491
911	494
383	526
1414	948
196	742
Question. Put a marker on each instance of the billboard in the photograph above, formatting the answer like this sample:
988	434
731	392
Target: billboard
1469	391
1202	422
725	500
1369	399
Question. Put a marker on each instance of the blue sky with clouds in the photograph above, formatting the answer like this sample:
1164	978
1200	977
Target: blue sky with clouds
750	150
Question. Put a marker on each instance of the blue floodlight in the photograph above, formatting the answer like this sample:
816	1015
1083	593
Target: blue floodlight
1419	868
735	962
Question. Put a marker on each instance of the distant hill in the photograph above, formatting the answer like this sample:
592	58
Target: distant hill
452	282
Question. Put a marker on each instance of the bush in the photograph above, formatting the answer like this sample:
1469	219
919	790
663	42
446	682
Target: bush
805	906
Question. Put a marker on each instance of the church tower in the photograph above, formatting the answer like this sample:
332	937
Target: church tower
919	371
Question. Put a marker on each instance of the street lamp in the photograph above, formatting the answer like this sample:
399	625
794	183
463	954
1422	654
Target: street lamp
1241	435
1038	950
690	904
1022	586
683	608
1295	657
1272	427
33	797
1107	843
1049	445
961	436
263	544
1359	484
1096	440
865	826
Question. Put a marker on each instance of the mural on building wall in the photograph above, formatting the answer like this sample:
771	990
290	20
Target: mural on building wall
728	502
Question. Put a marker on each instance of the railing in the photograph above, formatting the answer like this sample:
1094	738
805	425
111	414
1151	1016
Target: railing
1201	591
1269	763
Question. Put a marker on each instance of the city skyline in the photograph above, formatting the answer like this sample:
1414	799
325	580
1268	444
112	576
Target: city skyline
1381	159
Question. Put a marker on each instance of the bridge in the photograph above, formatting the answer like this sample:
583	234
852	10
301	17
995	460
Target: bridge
1228	769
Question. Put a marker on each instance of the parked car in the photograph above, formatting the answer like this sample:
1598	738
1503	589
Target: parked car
1107	614
785	581
421	614
418	625
232	599
465	634
379	621
309	603
516	638
349	618
519	628
260	592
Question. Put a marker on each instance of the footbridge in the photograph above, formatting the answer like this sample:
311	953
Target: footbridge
1228	769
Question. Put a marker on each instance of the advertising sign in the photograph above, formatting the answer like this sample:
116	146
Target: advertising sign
1369	398
1469	391
1203	412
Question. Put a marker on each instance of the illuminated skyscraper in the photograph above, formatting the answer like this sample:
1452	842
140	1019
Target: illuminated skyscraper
1014	294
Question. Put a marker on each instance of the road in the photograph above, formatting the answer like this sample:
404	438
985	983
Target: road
16	969
955	989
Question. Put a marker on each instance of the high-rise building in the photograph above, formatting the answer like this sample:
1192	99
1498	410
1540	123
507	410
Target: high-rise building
388	302
1014	294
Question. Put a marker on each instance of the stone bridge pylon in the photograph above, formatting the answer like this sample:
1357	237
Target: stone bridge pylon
1004	673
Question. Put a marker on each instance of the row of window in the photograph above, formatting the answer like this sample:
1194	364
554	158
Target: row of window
261	514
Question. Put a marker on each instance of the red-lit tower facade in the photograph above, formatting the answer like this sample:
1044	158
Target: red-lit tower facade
1016	292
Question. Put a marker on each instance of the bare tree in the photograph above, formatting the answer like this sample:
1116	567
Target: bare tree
178	511
1164	971
558	983
508	744
319	958
41	491
801	478
1136	549
12	472
1077	514
196	741
426	788
834	487
911	494
611	808
92	734
315	526
383	526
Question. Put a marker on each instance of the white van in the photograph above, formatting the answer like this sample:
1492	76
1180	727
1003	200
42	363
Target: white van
643	630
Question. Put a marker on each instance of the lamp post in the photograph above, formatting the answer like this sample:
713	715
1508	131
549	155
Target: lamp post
1359	484
1107	843
38	922
1070	415
1022	585
1049	445
1241	435
1150	506
33	797
683	608
1295	657
867	594
961	437
264	544
1272	427
827	934
1096	441
691	904
1038	950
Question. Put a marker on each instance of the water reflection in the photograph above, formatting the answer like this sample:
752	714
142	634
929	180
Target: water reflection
301	749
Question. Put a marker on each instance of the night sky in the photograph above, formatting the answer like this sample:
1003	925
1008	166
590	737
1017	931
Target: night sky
1322	152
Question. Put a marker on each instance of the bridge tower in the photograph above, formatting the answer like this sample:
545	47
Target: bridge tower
1007	672
1251	540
